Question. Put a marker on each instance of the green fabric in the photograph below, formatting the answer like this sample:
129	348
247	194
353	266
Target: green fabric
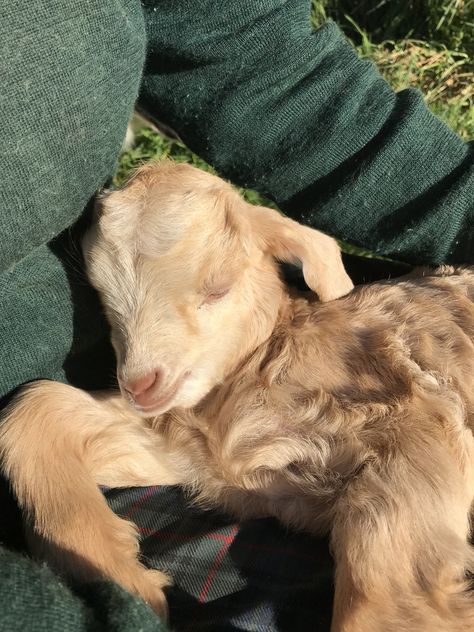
70	73
34	599
250	87
297	115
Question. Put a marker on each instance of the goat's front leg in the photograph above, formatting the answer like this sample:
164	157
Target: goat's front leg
56	444
400	542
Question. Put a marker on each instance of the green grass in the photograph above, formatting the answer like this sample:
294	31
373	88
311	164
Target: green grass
428	44
150	145
446	22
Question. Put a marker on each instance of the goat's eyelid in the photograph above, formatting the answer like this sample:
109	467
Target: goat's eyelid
212	295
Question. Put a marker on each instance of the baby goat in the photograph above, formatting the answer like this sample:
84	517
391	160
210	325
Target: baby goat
353	416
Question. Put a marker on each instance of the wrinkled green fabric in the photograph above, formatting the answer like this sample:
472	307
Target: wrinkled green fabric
34	599
70	73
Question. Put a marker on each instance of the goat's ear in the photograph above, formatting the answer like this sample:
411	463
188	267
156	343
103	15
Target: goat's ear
289	241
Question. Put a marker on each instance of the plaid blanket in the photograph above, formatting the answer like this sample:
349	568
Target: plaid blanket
254	576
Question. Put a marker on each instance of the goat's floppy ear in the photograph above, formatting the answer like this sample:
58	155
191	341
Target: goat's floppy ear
289	241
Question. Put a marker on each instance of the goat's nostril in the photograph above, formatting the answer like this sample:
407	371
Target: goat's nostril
141	384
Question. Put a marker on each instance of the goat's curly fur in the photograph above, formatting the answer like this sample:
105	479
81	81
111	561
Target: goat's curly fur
353	416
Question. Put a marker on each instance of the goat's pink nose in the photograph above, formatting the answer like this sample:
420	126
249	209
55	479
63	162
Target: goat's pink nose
141	384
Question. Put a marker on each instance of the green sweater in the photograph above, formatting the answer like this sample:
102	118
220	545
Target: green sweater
297	115
250	87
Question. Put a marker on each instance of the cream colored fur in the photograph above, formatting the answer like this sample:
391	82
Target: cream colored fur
352	416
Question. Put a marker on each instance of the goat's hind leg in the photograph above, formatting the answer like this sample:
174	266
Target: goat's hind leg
56	444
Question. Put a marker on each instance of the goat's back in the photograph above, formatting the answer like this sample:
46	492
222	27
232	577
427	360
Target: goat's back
367	348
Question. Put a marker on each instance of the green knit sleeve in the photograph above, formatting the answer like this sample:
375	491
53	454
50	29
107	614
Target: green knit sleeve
294	113
34	598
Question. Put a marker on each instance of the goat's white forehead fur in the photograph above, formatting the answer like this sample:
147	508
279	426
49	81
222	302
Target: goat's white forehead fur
158	207
167	236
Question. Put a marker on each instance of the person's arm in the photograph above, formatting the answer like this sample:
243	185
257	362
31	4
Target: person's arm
34	598
294	113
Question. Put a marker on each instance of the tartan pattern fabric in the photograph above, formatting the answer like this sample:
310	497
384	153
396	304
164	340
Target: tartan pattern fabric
255	576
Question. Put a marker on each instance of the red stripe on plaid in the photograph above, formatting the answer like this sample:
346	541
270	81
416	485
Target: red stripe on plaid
227	539
185	538
147	493
215	567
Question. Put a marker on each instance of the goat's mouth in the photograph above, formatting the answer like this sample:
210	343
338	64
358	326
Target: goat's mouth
165	400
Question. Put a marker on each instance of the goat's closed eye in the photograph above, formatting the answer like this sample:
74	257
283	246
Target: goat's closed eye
214	295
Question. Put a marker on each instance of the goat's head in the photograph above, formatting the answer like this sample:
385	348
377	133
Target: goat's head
187	274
